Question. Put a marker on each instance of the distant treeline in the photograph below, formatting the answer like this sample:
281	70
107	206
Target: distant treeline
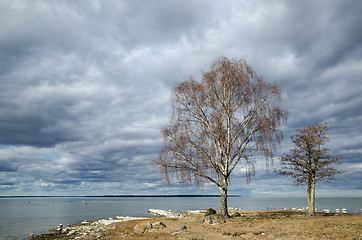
127	196
164	196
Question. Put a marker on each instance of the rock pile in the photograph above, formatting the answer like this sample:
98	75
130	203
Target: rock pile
144	226
211	219
211	216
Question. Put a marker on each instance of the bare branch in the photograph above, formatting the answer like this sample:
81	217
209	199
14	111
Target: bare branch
230	116
309	162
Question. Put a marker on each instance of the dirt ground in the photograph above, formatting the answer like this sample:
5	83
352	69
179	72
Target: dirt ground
251	225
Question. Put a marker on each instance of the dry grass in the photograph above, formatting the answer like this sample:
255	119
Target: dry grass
252	225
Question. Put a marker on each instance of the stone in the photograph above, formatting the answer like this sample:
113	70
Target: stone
31	235
210	211
71	232
142	227
59	228
235	214
149	225
211	219
100	235
158	225
183	227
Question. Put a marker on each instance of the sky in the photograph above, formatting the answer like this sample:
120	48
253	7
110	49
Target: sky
85	87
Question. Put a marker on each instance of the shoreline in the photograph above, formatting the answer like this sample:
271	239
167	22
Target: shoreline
124	227
86	228
95	228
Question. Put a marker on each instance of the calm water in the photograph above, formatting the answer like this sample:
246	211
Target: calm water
21	216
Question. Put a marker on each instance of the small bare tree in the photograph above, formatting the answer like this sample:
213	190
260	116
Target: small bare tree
309	161
217	123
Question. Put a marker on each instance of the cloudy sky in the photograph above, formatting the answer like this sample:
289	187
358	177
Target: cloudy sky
85	87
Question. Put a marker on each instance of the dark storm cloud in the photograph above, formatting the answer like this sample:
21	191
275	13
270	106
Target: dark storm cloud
85	85
46	93
323	33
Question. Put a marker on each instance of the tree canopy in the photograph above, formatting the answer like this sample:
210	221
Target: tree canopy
217	123
309	157
309	161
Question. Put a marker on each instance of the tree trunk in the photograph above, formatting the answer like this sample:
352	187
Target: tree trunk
311	197
224	200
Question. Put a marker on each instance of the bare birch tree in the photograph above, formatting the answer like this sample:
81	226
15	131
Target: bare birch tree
218	123
309	161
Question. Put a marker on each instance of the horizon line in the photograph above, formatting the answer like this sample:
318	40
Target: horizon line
121	195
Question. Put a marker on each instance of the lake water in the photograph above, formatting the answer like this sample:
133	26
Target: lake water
21	216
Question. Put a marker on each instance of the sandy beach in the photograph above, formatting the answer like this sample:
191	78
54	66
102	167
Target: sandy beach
190	225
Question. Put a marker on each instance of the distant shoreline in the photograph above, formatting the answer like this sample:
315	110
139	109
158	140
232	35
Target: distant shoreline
126	196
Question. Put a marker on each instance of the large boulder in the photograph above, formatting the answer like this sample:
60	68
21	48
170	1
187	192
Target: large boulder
211	219
158	225
209	211
142	227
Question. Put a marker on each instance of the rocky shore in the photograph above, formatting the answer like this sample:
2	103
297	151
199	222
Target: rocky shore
84	230
207	224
